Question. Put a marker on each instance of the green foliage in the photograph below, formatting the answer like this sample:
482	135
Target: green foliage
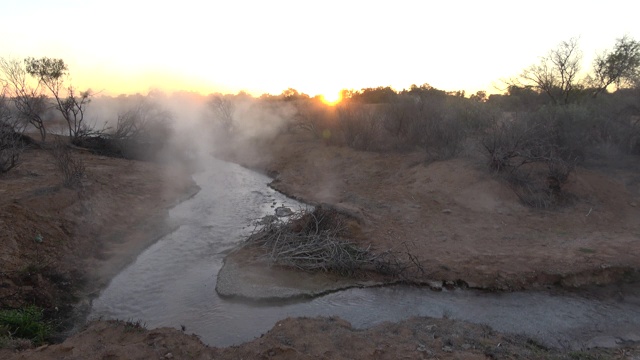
27	323
378	95
46	69
619	66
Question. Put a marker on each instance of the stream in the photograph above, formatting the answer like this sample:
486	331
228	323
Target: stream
172	283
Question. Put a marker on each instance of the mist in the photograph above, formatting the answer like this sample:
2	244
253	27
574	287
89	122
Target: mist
193	131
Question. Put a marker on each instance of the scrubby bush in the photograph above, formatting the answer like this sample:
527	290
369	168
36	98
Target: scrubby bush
535	154
311	115
223	108
141	130
70	166
11	147
12	140
361	126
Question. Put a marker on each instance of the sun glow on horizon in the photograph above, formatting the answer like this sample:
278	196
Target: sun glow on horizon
331	99
143	53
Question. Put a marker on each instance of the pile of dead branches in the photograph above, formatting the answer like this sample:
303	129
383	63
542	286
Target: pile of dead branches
316	241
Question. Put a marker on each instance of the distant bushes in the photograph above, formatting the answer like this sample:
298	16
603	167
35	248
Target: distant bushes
141	131
531	143
432	121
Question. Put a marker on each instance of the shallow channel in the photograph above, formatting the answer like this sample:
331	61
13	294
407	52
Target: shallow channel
172	283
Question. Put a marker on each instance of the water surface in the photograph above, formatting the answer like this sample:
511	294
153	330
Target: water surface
172	283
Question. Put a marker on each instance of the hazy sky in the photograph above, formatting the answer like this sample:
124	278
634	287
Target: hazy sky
316	47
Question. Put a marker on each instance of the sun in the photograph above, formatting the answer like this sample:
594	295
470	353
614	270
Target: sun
331	99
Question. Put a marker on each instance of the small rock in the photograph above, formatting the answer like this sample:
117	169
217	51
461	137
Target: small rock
168	356
283	211
447	211
631	337
435	285
634	204
602	342
267	219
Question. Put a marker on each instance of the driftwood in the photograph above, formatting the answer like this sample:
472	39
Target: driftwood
316	241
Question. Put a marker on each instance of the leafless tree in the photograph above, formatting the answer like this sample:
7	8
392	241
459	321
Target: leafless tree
139	120
141	129
557	73
310	115
223	112
28	100
11	139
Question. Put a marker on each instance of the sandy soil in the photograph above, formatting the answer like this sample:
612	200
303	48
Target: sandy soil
60	245
465	225
455	217
314	338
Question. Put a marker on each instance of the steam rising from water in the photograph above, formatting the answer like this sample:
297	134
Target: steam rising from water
195	127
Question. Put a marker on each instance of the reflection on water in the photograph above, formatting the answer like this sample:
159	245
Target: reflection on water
173	282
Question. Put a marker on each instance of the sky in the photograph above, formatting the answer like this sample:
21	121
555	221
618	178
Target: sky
316	47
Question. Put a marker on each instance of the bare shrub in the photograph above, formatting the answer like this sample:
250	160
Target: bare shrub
315	241
623	128
71	167
10	148
540	186
141	130
434	122
29	101
533	158
12	140
311	115
400	118
436	129
444	138
223	108
361	125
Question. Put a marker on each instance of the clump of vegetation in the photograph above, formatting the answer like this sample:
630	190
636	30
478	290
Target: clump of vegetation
12	139
11	146
134	325
26	323
534	158
317	241
71	167
141	130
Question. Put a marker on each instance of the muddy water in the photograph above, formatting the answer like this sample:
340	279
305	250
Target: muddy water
173	284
